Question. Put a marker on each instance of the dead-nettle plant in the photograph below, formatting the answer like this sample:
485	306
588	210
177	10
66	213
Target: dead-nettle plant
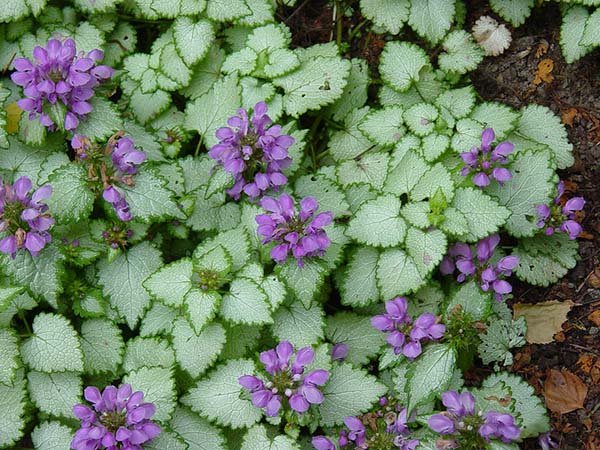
185	266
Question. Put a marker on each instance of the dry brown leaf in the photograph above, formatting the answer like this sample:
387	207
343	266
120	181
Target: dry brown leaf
585	363
542	48
595	372
564	391
544	72
568	115
594	279
544	319
594	317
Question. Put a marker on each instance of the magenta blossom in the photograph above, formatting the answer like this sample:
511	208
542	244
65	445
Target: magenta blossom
404	335
460	257
287	380
255	153
555	218
118	420
486	161
300	234
24	217
60	83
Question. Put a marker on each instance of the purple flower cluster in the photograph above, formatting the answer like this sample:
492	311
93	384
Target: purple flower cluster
286	377
486	162
24	216
254	153
460	256
555	218
119	420
59	84
461	419
404	335
301	234
391	431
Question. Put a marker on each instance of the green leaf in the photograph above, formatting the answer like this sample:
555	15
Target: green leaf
22	302
384	126
467	135
532	185
354	95
538	124
122	280
197	433
192	39
534	419
15	9
120	43
317	82
142	352
433	145
196	353
304	282
426	248
591	35
328	194
370	169
362	339
217	396
54	345
51	436
405	173
9	355
210	111
241	340
378	223
41	274
12	405
430	374
71	199
359	284
236	242
102	346
397	274
246	303
501	118
149	198
499	338
420	118
256	438
513	11
461	53
201	307
146	106
55	393
472	300
387	14
4	94
402	64
24	160
171	283
155	9
348	392
572	31
299	325
158	387
350	142
482	213
102	122
226	10
545	259
158	319
431	19
457	103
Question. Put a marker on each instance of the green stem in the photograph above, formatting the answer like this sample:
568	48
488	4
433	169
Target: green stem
356	29
24	320
197	151
338	23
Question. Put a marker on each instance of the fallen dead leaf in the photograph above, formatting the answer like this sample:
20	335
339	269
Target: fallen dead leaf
542	48
568	115
13	115
595	372
564	391
594	279
544	72
585	363
594	317
544	319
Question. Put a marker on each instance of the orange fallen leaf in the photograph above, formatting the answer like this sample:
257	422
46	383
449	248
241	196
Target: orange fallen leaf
594	317
544	319
544	72
564	391
585	363
594	279
568	115
542	48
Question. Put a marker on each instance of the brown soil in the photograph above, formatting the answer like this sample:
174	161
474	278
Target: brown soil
574	94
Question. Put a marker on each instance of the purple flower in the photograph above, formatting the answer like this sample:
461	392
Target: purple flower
59	84
441	424
500	426
126	158
24	217
322	443
485	161
255	154
460	256
286	372
339	352
553	218
459	404
546	442
300	234
118	420
357	432
398	326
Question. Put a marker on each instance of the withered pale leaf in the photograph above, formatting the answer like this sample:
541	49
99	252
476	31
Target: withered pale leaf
544	319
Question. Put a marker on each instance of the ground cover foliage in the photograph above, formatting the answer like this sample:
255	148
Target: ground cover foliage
151	263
